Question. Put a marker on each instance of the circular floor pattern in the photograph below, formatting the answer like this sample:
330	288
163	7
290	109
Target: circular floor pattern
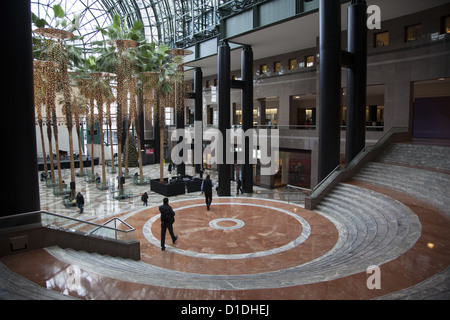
332	250
235	224
275	236
258	235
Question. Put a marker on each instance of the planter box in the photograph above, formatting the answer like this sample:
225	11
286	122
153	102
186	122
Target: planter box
194	185
167	189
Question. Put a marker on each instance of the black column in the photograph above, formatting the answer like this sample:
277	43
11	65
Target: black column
19	158
330	86
198	116
356	80
247	114
224	115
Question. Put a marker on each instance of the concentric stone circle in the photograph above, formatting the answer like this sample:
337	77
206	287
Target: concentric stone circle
306	231
215	224
358	246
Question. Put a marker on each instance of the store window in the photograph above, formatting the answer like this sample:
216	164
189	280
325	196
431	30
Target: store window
381	39
446	25
277	66
263	68
309	61
292	64
413	33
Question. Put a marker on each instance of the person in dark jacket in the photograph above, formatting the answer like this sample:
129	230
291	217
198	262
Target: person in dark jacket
239	187
144	198
80	202
207	187
167	220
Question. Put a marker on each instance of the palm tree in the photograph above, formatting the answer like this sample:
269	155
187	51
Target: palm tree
159	72
56	50
86	86
79	108
39	102
103	92
109	100
125	40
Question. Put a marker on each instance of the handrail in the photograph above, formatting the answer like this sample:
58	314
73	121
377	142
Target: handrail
298	190
68	218
303	190
324	181
104	225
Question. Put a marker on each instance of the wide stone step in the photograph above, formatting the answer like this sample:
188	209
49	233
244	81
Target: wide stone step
391	227
426	156
431	187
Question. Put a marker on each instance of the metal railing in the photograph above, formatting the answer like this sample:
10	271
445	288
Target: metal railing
299	194
57	221
121	231
111	232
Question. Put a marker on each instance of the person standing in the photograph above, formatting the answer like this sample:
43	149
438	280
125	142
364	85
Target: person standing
80	202
144	198
207	188
167	220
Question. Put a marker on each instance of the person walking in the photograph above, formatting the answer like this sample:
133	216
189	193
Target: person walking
80	202
239	187
207	188
167	220
144	198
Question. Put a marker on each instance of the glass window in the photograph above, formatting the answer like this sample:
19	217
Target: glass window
413	33
277	66
263	68
309	61
292	64
381	39
446	24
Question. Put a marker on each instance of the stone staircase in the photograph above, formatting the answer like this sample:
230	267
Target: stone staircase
397	170
423	172
418	156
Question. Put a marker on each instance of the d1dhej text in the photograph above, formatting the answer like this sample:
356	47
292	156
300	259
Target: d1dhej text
244	309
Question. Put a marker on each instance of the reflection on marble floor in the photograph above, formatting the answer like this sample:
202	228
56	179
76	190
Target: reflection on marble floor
100	204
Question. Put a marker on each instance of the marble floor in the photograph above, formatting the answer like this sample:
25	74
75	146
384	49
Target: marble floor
245	247
101	204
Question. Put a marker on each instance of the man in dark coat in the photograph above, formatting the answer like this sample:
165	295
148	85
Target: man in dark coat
167	220
207	187
80	202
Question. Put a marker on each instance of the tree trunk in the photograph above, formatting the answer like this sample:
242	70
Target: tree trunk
43	148
80	150
91	134
72	164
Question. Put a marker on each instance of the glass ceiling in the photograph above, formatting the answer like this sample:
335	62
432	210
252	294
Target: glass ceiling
177	23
